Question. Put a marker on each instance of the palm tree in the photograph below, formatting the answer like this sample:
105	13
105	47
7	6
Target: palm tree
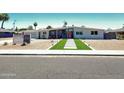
0	16
35	25
4	17
65	24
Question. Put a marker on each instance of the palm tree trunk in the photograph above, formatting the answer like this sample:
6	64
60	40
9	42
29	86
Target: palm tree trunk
2	24
35	27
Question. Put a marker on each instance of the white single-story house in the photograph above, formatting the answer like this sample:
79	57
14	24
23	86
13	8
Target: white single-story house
67	32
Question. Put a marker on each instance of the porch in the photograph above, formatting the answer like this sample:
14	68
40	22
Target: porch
61	33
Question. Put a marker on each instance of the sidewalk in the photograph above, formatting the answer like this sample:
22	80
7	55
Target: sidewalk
64	52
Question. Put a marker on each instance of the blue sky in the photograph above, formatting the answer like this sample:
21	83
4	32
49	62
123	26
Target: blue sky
96	20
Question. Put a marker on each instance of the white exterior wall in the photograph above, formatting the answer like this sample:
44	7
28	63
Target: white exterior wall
87	33
34	34
18	39
37	34
45	36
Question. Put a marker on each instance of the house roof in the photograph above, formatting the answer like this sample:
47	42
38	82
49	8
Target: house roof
119	30
54	28
72	27
29	31
116	30
6	30
94	29
61	28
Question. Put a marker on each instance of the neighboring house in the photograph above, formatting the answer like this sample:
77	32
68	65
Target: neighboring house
119	33
115	34
6	33
68	32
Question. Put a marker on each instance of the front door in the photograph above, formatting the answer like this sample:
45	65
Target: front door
69	34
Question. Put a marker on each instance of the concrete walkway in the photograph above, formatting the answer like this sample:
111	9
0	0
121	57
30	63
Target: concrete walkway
70	44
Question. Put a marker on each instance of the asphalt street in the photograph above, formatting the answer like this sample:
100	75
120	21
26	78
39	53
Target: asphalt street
61	67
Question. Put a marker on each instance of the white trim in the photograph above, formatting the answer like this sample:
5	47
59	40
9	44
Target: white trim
87	45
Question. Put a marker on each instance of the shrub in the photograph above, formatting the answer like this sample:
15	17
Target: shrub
24	44
5	43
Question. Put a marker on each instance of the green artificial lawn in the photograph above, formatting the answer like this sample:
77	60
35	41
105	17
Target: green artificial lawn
81	45
60	45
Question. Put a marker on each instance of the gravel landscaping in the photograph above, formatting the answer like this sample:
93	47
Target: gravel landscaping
106	44
35	44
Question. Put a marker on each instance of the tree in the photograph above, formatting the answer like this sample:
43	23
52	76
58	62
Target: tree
49	27
65	24
23	29
83	26
16	29
3	17
35	25
123	26
30	27
0	16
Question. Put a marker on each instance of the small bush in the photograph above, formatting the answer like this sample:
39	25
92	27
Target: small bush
5	43
24	44
14	43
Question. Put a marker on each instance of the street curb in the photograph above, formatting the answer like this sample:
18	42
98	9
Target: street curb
64	52
69	54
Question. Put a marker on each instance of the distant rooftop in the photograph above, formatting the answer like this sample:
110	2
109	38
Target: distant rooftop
116	30
6	30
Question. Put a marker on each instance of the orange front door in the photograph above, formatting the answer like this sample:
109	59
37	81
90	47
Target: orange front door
69	35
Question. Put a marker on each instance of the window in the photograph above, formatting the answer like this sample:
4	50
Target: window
94	32
79	33
44	32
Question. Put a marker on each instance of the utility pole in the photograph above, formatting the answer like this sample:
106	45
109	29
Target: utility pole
14	24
